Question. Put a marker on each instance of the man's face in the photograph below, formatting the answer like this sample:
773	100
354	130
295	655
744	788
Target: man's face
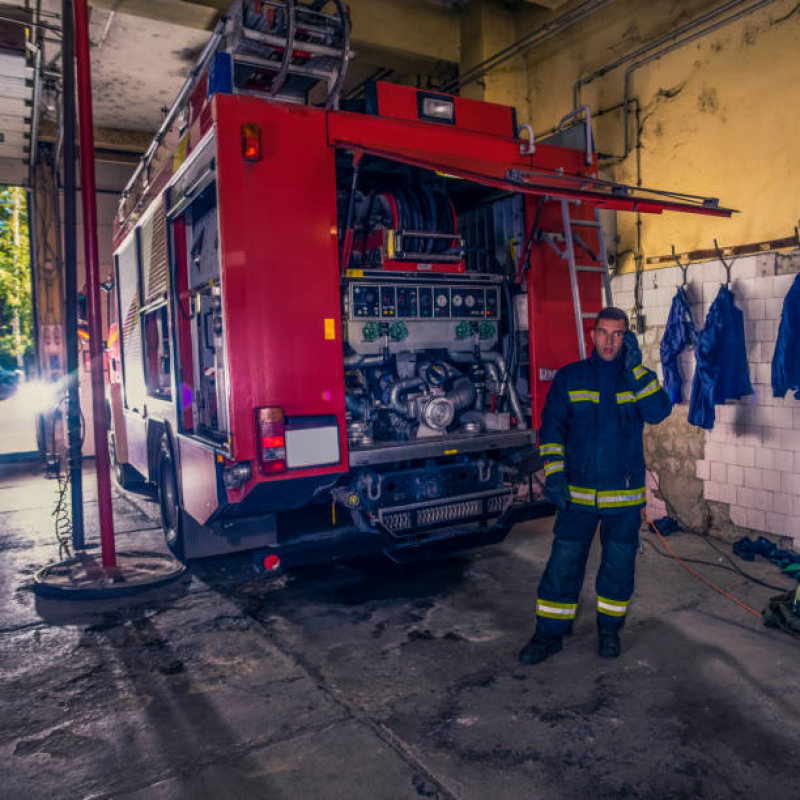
608	338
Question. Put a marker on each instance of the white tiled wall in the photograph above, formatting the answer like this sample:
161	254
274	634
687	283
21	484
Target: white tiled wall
752	455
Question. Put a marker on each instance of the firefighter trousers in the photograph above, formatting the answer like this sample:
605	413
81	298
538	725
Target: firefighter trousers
560	587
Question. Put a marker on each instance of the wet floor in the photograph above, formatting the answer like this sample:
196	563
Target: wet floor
372	680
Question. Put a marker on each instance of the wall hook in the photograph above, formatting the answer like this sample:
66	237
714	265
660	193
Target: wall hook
726	264
683	267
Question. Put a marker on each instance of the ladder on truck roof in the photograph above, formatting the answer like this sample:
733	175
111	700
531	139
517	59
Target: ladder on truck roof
277	49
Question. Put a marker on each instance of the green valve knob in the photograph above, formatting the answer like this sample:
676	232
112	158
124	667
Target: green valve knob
464	330
398	331
486	331
371	331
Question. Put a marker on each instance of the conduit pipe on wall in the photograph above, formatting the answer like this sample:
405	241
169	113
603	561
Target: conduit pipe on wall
654	56
538	36
689	26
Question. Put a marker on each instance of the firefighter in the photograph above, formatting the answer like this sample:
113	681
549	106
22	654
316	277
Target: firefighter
591	444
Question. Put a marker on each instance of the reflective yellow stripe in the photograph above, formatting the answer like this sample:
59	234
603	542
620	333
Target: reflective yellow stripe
584	396
582	495
639	372
614	608
619	498
651	388
553	466
551	610
556	603
625	397
551	448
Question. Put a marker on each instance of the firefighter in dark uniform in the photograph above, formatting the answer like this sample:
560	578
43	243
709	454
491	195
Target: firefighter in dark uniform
591	444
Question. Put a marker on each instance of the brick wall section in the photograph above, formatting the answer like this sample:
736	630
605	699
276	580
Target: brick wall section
742	477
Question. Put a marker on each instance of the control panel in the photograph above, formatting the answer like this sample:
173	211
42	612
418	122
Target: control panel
371	301
407	313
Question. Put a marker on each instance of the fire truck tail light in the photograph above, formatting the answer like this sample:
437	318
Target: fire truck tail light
251	142
271	435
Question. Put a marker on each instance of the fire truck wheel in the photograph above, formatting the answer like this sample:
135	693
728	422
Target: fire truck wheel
168	499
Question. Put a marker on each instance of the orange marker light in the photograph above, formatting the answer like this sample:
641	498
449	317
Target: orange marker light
251	142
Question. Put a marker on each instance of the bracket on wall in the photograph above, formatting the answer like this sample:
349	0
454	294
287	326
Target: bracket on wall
684	267
726	264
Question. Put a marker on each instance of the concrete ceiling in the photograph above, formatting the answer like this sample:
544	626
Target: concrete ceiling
142	51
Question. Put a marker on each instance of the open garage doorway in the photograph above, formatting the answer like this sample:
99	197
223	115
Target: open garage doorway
19	391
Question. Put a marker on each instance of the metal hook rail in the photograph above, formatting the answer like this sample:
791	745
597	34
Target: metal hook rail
683	267
726	264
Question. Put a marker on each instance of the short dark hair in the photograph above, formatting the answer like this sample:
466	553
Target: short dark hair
610	312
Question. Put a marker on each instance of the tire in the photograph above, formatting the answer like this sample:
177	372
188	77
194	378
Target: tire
168	502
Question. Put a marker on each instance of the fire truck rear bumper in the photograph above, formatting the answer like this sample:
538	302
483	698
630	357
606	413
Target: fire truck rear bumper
349	542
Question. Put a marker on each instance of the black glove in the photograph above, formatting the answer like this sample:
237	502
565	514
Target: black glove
632	353
555	487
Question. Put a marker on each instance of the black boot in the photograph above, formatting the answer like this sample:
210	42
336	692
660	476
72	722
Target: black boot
539	648
608	645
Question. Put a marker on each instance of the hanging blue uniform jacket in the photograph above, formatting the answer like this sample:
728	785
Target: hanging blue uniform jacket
786	359
678	334
591	432
722	372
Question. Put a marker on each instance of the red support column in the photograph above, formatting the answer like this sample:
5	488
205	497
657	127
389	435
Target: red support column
88	197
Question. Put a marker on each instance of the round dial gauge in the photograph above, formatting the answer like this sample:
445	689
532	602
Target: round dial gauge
441	300
469	300
457	300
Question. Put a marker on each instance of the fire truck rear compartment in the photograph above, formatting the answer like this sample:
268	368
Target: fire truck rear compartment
430	351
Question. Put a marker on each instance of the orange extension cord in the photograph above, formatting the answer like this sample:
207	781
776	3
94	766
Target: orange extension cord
697	575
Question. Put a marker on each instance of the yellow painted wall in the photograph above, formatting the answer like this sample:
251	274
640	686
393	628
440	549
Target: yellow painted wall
720	116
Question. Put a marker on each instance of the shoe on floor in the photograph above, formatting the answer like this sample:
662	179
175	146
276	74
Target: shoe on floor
608	644
539	648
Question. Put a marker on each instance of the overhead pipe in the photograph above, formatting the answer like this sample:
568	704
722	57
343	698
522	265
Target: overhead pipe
599	73
664	51
546	31
89	203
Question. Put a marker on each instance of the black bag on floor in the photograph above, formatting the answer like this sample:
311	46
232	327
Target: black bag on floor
780	613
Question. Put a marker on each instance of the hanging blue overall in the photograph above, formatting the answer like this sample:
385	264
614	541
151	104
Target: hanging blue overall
786	359
591	433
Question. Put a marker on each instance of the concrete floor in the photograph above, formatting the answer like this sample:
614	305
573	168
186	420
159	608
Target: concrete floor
377	681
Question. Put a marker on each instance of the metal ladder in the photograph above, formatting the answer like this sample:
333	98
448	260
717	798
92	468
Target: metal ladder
572	238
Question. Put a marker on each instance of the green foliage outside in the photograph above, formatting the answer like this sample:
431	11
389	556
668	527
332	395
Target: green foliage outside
15	278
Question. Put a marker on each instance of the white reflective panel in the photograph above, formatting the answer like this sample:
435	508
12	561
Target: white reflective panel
308	447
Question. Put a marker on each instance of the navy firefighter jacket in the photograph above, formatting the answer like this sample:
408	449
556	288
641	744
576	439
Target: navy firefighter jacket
591	432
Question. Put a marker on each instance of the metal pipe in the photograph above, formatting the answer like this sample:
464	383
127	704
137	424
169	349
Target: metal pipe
538	36
71	280
653	56
598	73
401	387
497	360
357	360
37	99
89	202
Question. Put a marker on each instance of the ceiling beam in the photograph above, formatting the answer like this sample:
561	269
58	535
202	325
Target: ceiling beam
134	142
410	27
547	3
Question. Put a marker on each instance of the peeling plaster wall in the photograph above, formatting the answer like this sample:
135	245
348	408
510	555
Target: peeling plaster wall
718	116
744	474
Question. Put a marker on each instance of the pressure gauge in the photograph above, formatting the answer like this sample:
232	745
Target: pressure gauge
457	300
441	300
469	300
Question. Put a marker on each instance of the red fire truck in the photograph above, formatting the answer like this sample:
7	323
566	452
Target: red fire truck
336	327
